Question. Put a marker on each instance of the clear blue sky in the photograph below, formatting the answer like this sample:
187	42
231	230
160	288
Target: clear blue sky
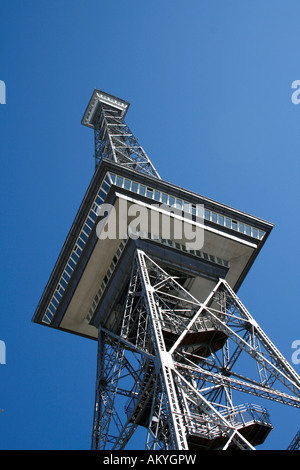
209	84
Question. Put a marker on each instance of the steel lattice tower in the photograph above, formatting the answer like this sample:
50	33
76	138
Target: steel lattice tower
151	271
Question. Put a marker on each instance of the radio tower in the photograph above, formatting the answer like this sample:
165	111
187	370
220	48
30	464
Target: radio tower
151	271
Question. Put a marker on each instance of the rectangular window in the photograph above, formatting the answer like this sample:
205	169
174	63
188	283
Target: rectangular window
156	195
57	296
164	198
105	186
83	236
214	217
69	270
178	203
74	258
102	195
107	179
134	187
54	302
112	178
228	222
65	277
80	243
220	219
119	181
72	263
63	283
87	228
150	192
127	184
247	230
92	216
255	232
186	207
200	211
207	214
142	190
241	227
52	309
234	225
171	201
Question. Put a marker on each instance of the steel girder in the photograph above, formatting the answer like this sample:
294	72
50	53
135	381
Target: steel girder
114	141
174	365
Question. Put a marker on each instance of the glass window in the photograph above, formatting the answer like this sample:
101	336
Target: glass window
142	190
74	257
156	195
119	181
214	217
234	225
127	184
171	201
261	234
186	206
65	276
200	211
112	178
87	228
247	230
92	216
193	209
179	203
90	222
52	309
255	232
150	192
105	186
69	270
102	195
221	219
57	296
134	187
228	222
83	236
207	214
164	198
241	227
71	263
80	243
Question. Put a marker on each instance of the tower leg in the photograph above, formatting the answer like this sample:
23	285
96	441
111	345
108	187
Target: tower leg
171	366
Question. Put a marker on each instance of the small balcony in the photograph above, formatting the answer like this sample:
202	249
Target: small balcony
252	422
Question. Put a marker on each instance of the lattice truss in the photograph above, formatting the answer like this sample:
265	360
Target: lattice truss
295	444
114	141
175	367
